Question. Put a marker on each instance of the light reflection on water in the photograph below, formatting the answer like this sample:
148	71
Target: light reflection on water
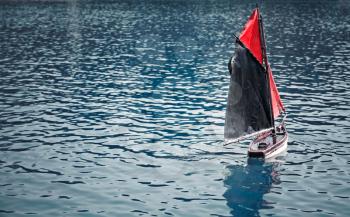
117	108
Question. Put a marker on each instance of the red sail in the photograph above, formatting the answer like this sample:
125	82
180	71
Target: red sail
250	36
277	104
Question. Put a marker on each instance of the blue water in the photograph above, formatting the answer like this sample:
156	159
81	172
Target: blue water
116	108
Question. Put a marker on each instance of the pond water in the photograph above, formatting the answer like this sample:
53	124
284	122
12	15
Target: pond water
116	108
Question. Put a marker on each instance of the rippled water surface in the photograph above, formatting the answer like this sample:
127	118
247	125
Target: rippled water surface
116	108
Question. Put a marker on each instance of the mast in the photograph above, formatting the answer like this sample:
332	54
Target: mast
263	49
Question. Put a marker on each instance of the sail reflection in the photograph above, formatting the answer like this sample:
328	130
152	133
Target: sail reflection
246	186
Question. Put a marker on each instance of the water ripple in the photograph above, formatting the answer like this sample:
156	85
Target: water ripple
123	102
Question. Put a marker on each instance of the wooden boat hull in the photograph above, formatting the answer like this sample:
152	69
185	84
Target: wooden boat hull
264	146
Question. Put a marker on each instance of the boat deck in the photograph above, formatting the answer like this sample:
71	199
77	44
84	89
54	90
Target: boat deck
267	146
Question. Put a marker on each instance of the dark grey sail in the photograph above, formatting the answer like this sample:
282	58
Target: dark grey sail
248	109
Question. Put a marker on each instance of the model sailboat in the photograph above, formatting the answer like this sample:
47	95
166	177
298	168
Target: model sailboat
253	100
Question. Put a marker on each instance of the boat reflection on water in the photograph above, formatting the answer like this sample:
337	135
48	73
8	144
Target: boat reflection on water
246	186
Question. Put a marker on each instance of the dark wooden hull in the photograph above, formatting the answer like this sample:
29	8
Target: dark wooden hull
265	146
